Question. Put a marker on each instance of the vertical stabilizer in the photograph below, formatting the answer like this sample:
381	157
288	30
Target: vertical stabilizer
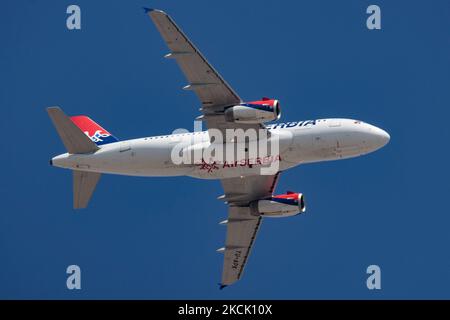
73	138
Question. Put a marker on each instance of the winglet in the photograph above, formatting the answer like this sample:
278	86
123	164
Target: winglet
221	286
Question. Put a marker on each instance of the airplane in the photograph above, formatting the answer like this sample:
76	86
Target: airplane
248	191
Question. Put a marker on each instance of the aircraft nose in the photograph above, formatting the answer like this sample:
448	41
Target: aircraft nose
380	136
383	136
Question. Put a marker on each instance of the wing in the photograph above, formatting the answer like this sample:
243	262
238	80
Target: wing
215	95
204	80
242	225
213	91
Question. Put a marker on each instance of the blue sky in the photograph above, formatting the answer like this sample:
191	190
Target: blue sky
156	237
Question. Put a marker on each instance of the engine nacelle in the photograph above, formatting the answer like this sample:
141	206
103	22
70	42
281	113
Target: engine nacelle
284	205
254	112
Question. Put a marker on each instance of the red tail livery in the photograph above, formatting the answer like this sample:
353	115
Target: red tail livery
93	130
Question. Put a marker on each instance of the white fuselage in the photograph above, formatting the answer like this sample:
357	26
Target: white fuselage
299	142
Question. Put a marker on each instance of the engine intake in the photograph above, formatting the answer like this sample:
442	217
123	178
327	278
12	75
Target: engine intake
254	112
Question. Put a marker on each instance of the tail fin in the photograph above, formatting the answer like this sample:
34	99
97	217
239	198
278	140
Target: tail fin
76	142
93	130
73	138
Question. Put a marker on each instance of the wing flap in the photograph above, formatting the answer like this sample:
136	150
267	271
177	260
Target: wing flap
242	228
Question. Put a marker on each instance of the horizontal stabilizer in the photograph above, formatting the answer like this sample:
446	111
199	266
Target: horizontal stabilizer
84	184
